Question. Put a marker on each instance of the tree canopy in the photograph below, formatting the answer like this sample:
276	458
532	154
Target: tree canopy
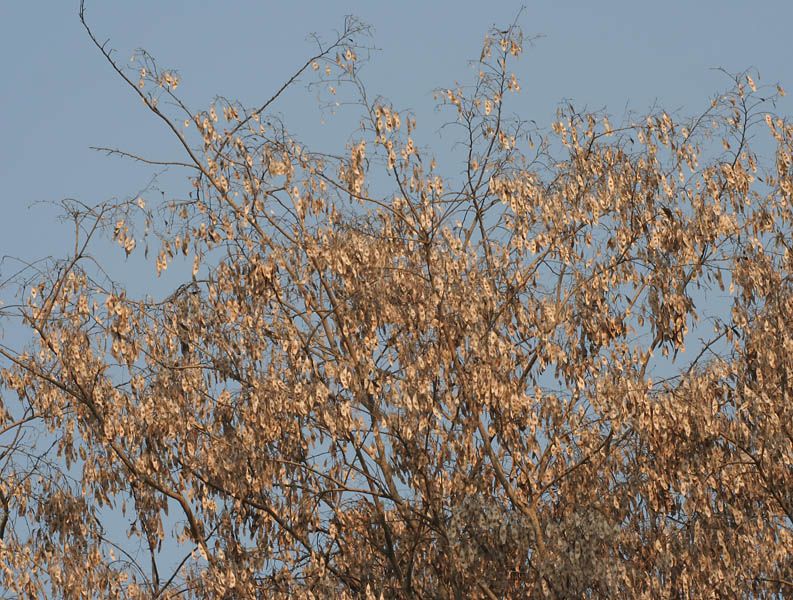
558	365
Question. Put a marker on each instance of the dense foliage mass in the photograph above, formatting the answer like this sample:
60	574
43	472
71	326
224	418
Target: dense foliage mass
560	368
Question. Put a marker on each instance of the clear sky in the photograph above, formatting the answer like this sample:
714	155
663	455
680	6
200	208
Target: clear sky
58	97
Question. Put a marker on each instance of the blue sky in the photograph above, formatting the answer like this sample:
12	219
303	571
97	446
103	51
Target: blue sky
59	97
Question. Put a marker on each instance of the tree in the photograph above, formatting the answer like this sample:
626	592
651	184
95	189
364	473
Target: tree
389	380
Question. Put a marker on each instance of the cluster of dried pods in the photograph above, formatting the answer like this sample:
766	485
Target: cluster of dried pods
564	372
